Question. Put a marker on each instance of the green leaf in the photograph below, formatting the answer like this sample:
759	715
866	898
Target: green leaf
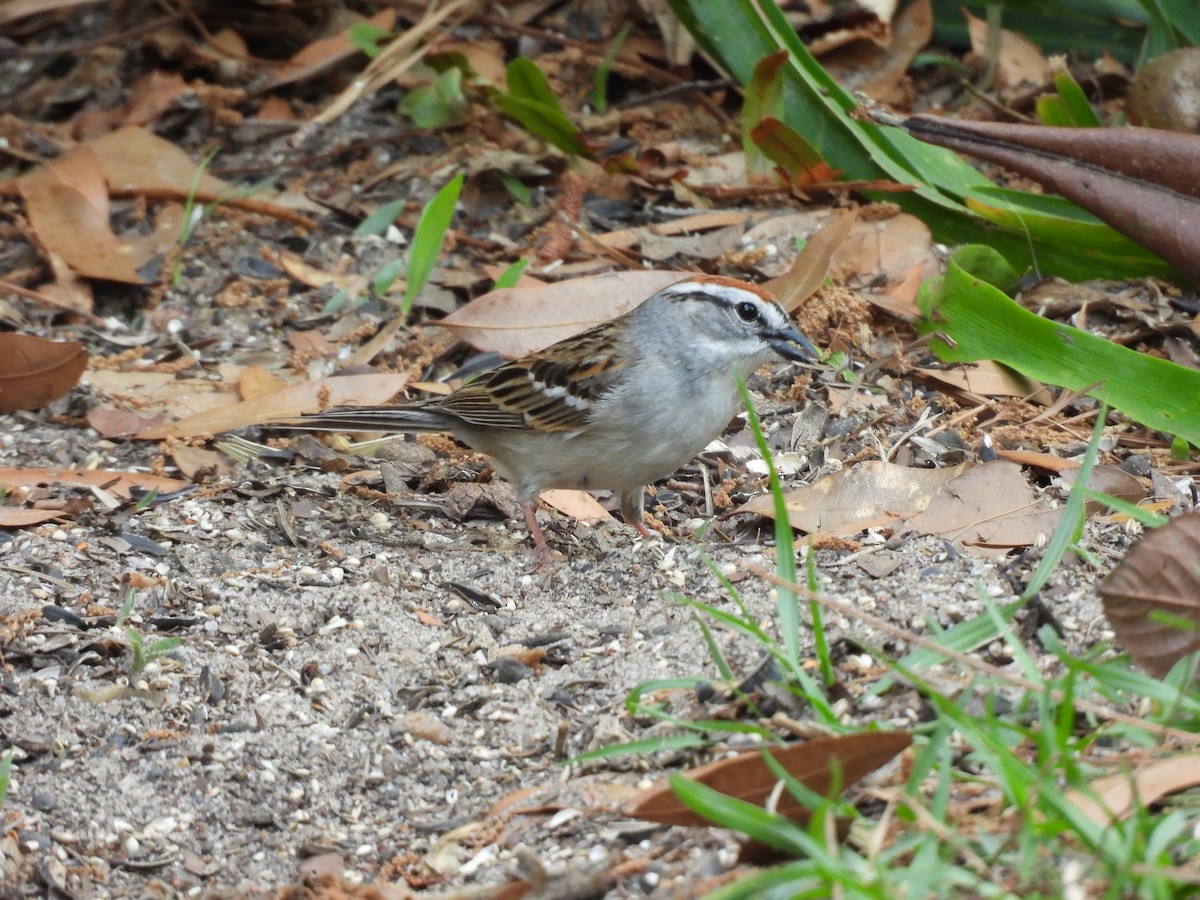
429	237
367	37
1075	101
527	82
436	104
510	276
548	123
983	323
729	812
600	80
378	221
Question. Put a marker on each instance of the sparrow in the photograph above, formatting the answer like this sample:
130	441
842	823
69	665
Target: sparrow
615	407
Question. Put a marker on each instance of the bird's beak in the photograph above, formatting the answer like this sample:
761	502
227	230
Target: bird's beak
791	344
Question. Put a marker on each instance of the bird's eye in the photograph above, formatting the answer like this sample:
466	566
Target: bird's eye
747	311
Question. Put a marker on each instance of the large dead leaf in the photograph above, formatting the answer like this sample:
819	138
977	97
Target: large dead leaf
12	517
311	396
517	321
869	495
34	371
578	504
118	483
988	510
134	159
67	204
1152	598
818	765
811	267
1118	796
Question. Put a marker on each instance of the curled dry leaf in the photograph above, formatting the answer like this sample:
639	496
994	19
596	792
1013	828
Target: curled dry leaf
818	764
34	371
118	483
1118	796
1152	598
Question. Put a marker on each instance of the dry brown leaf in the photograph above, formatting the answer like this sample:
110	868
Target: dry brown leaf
811	267
818	765
1118	796
199	464
988	510
517	321
310	276
67	204
118	483
577	504
255	381
119	423
11	517
710	245
625	238
1018	62
34	371
159	392
134	159
878	71
1111	480
311	396
1036	460
1158	578
325	53
869	495
988	379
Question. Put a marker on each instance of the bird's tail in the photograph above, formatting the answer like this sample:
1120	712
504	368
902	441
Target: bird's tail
393	419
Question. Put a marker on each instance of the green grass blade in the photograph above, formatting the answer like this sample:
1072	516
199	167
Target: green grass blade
1071	523
429	237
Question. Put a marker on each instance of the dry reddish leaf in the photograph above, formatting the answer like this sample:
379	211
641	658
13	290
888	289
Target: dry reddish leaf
1036	460
1158	577
67	204
869	495
118	483
517	321
11	517
311	396
818	765
988	510
34	371
119	423
1117	796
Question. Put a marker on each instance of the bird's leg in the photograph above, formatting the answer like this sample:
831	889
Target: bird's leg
540	547
633	511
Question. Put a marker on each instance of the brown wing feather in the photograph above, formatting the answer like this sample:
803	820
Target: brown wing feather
551	390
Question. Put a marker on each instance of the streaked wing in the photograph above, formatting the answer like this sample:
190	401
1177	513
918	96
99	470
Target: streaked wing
553	390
